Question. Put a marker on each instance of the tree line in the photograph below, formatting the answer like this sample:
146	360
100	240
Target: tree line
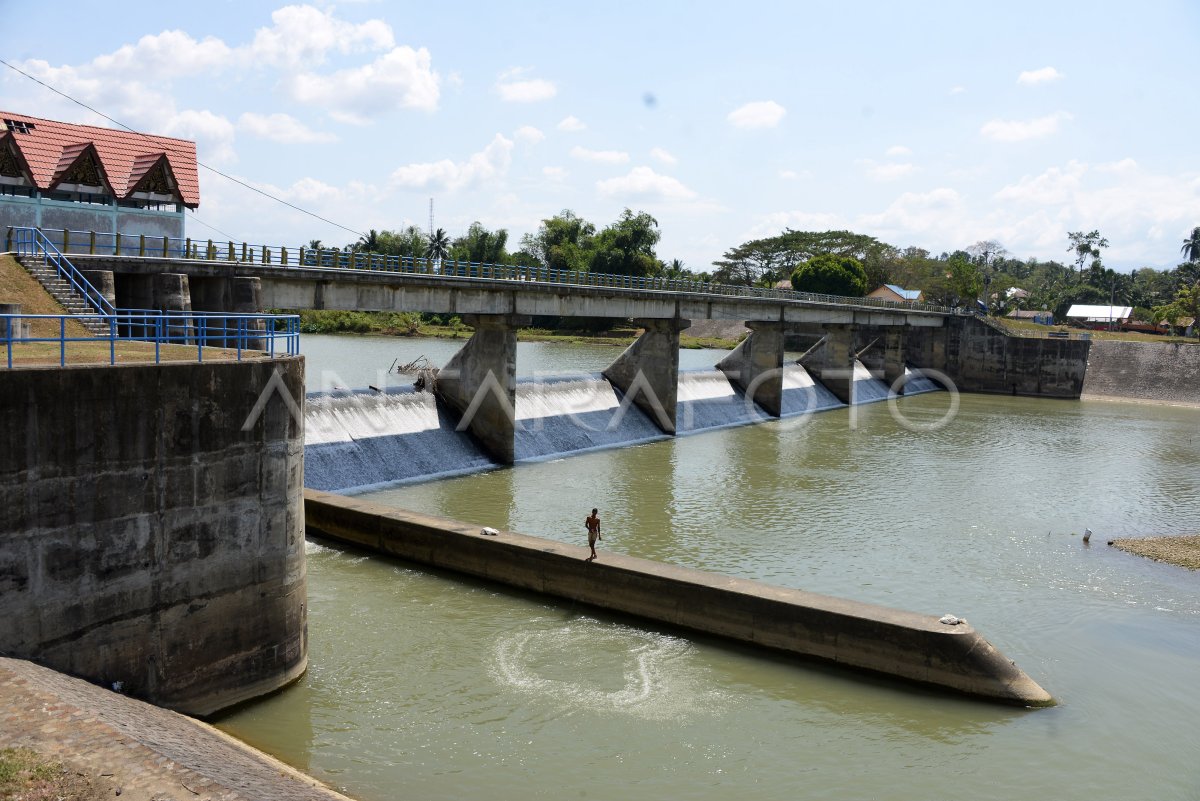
831	262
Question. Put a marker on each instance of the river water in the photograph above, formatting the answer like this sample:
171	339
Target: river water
429	686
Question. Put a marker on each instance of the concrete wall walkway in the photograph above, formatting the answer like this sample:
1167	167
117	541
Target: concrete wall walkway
149	753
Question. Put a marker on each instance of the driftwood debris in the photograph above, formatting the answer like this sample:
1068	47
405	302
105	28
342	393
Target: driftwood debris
422	368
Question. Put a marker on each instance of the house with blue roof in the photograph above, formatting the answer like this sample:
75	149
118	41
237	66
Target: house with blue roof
898	294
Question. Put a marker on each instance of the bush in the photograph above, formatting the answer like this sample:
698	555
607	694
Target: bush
830	274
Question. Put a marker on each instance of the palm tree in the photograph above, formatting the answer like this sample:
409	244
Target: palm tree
368	242
1191	246
314	244
439	245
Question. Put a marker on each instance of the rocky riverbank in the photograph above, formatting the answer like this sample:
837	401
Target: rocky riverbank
1183	550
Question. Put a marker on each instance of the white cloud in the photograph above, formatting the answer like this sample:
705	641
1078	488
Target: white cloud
793	175
957	90
600	156
555	174
302	36
401	78
1022	130
490	162
531	90
886	172
918	213
212	133
282	128
528	135
645	183
899	150
663	156
164	55
760	114
571	124
1044	75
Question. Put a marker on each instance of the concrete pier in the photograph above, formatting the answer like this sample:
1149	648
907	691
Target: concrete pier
648	370
480	383
756	365
864	636
834	362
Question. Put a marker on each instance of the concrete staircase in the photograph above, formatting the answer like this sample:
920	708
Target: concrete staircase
62	291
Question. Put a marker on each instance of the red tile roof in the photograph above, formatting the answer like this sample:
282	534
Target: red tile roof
50	147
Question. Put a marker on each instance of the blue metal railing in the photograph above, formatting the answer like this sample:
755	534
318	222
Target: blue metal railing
115	244
32	242
273	334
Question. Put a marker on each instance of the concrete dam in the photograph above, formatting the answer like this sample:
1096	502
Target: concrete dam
363	440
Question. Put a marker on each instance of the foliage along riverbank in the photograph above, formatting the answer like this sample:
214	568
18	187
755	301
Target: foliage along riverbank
411	324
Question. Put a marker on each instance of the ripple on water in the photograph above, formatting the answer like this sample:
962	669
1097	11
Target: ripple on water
590	666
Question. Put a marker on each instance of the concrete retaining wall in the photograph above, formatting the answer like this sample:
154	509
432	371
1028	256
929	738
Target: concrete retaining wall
145	538
980	358
903	644
1144	371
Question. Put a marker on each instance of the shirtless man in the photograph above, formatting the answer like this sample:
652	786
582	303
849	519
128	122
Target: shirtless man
593	529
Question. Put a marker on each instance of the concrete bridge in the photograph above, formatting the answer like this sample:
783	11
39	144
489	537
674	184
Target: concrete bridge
497	300
479	382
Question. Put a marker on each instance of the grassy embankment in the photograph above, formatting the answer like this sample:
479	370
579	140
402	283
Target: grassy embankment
18	286
27	776
416	325
1028	327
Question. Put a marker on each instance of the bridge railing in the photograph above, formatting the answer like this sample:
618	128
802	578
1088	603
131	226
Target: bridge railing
33	243
115	244
207	335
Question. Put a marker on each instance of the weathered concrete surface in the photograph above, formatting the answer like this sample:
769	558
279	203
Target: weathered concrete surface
756	365
1156	372
648	371
367	290
145	538
480	383
145	752
875	638
978	357
833	362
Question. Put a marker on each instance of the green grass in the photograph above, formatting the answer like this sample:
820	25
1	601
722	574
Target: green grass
21	768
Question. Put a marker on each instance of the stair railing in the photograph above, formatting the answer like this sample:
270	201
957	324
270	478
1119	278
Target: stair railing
32	242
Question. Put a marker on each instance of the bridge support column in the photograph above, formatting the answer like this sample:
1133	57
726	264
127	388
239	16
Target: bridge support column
104	283
172	294
756	365
245	297
893	358
480	383
648	371
835	365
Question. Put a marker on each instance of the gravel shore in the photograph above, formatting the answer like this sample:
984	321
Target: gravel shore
1182	550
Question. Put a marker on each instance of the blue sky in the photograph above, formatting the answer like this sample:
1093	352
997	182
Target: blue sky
932	124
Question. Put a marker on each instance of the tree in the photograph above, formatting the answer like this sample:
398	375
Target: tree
1191	247
776	258
367	243
410	243
481	245
1085	246
314	244
438	247
829	274
627	246
563	242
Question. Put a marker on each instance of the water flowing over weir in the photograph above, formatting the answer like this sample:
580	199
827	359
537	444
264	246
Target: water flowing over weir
364	440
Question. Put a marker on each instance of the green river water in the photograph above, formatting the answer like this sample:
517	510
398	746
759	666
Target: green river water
429	686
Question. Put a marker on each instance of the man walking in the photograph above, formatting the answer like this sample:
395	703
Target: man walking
593	529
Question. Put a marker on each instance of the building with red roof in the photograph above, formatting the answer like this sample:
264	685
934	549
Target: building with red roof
58	175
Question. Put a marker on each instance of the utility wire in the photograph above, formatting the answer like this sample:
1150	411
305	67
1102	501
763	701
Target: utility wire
200	163
230	237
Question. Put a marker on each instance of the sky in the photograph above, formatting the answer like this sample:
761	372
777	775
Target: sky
933	124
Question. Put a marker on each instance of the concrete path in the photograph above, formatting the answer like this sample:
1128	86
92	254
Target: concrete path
149	753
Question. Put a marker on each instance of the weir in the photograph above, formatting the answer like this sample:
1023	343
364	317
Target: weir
366	440
863	636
